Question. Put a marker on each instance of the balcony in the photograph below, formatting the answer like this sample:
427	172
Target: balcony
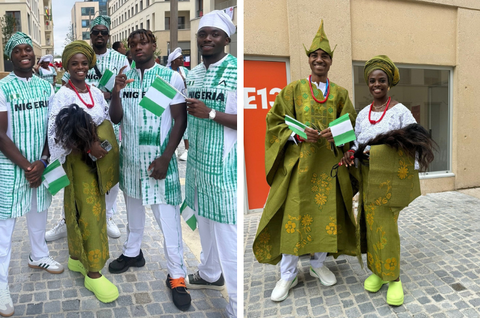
48	26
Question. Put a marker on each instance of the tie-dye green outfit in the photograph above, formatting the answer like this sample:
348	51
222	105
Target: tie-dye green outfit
27	104
144	139
210	172
48	77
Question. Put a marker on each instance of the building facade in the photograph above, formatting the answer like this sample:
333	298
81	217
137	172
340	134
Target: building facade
82	14
154	15
431	41
33	17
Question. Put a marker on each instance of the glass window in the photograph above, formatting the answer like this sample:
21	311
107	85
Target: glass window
18	22
88	11
426	92
181	23
85	23
85	35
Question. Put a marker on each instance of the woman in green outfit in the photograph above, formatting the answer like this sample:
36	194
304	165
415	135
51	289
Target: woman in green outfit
389	178
78	124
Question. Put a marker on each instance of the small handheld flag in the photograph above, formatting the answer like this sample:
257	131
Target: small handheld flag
342	130
158	96
54	177
188	216
296	126
107	80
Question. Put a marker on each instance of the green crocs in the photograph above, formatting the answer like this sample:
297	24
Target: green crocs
103	289
76	266
373	283
395	294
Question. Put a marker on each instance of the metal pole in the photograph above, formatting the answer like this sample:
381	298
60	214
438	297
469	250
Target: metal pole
173	24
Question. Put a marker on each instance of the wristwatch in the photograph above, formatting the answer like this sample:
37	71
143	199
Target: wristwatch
45	158
212	114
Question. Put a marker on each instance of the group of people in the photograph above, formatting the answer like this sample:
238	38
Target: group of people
79	127
309	206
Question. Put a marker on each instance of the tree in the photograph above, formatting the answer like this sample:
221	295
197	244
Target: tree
9	27
70	36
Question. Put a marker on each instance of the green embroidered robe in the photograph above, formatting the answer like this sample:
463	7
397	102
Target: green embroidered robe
307	210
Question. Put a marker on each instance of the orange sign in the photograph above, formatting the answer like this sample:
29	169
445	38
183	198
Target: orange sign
263	81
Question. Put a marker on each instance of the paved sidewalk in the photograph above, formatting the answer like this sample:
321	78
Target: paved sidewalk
143	293
440	251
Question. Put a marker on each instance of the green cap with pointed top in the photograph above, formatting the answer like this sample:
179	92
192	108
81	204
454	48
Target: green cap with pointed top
320	42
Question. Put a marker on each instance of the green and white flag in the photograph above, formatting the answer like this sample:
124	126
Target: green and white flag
54	177
188	216
296	126
107	80
342	130
158	96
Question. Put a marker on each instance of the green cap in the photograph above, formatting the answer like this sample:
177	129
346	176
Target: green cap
320	42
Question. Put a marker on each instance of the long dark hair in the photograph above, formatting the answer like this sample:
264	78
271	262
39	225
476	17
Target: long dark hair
413	139
75	129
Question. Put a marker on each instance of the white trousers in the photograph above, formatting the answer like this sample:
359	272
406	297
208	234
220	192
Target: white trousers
111	200
36	224
168	218
219	251
288	264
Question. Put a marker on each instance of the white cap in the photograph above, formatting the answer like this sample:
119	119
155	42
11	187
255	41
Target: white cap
218	19
46	58
175	54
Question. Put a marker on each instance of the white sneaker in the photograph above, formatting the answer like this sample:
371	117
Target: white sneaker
184	155
47	263
59	231
325	275
6	304
112	229
280	292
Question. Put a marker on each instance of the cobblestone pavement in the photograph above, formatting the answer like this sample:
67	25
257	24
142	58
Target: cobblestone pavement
440	257
36	293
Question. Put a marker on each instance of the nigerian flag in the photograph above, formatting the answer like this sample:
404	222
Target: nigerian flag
54	177
158	96
107	80
188	216
296	126
342	130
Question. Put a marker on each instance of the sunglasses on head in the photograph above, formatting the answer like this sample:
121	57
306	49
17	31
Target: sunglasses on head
96	32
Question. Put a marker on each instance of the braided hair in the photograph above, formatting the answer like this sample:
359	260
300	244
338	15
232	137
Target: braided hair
413	139
75	130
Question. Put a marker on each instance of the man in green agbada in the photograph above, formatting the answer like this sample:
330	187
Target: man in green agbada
307	210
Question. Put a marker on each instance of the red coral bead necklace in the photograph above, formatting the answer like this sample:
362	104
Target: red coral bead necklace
81	99
311	90
373	122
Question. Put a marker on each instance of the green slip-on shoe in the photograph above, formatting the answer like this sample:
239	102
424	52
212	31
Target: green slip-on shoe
103	289
76	266
373	283
395	294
